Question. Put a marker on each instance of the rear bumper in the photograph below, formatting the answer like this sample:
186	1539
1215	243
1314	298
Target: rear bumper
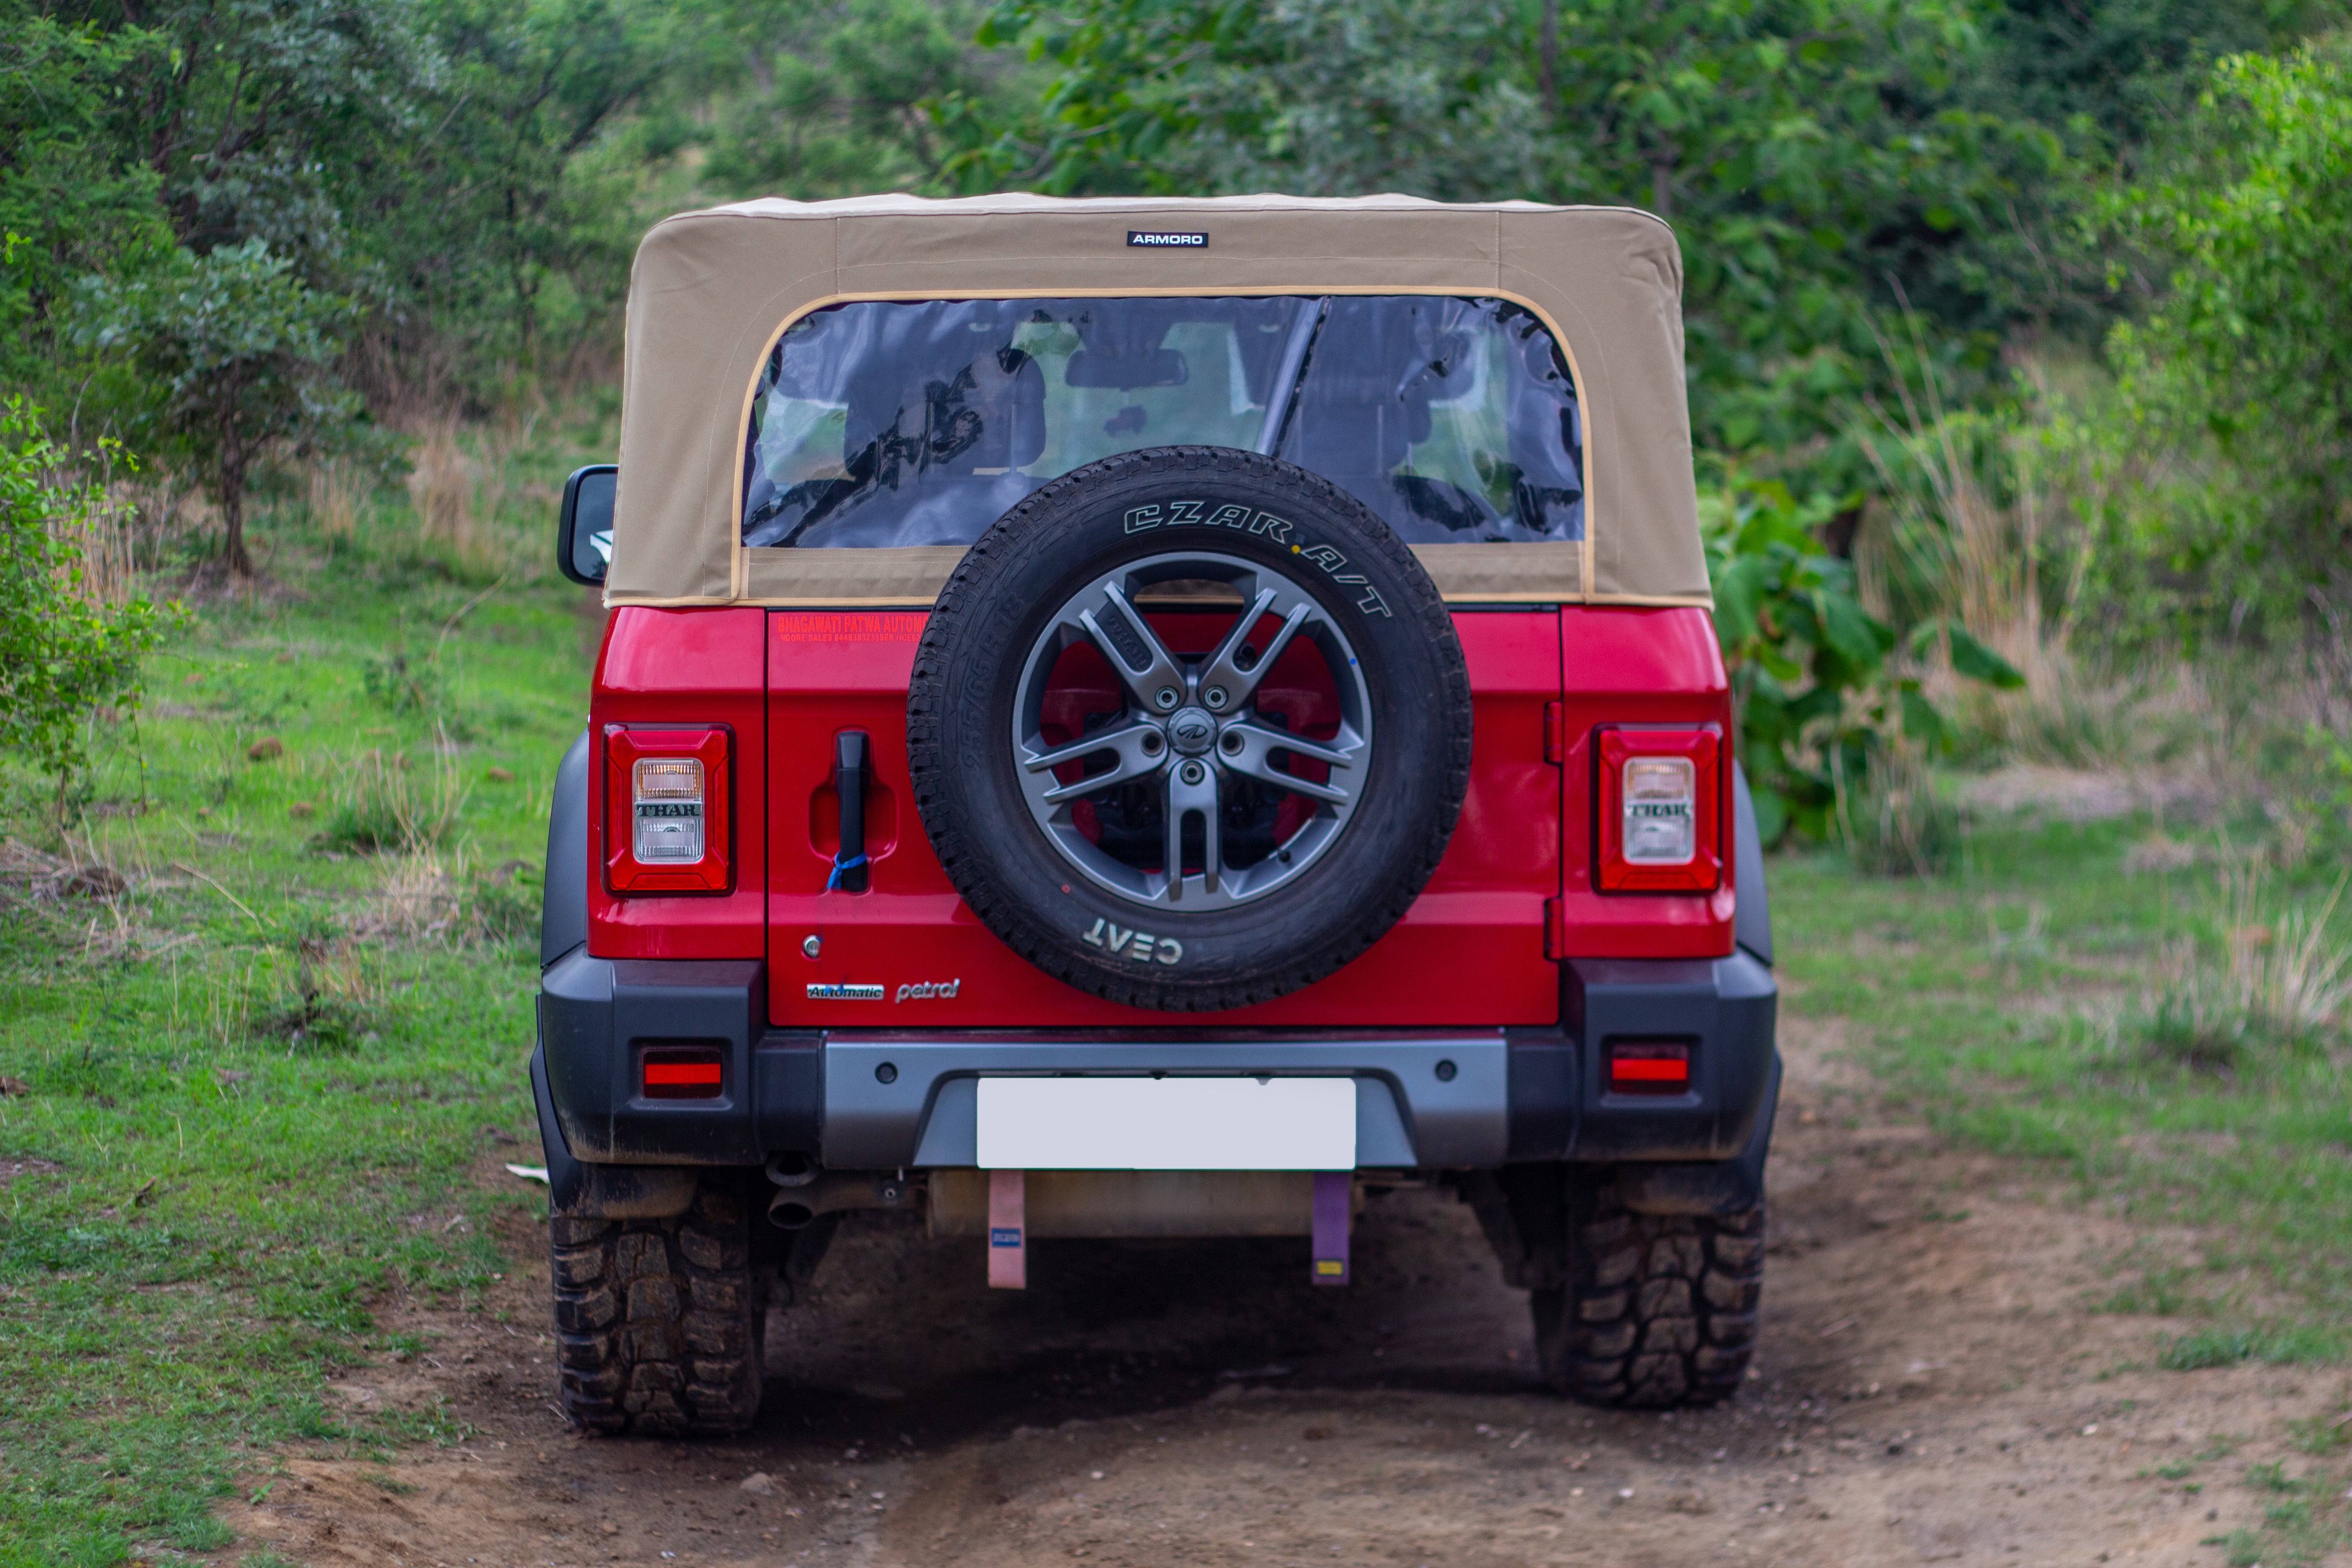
878	1100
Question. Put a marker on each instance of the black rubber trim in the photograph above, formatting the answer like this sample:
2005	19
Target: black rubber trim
565	1175
1751	920
1715	1188
563	894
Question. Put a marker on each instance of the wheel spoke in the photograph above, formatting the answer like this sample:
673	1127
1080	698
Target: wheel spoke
1126	741
1196	714
1223	672
1141	659
1254	756
1183	799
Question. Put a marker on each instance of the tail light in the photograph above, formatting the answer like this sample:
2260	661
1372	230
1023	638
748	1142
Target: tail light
1649	1066
1661	811
683	1072
667	810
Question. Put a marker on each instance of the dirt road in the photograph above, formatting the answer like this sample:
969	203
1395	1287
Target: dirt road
1933	1386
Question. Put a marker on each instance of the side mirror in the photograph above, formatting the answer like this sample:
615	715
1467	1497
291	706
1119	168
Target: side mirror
583	529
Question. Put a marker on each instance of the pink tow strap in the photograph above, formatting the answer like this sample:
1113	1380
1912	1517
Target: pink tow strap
1334	1192
1008	1231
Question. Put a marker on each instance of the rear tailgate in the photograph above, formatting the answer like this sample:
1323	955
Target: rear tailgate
907	953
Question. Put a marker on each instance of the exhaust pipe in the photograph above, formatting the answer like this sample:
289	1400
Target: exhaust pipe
798	1205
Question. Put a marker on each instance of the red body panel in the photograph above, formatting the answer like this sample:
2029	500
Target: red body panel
1512	894
1636	667
683	667
1470	952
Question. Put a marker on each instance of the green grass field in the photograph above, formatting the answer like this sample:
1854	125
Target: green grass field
252	1087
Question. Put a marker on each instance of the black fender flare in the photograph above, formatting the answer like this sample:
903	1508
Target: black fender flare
563	907
1751	922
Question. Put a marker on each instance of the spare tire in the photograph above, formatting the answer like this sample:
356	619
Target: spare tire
1189	728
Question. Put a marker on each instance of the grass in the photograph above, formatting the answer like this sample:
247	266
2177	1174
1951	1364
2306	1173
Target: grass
2017	1004
257	1080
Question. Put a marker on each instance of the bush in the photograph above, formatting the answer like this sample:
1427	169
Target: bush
2234	384
63	654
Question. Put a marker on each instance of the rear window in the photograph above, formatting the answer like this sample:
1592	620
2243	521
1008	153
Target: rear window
888	423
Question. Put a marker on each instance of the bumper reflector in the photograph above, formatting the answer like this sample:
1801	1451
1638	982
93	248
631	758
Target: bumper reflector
1649	1066
682	1073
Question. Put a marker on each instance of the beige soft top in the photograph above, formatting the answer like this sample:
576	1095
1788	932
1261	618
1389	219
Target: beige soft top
711	292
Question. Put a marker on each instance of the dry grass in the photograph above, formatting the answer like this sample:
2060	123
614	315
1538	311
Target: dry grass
417	898
337	491
2272	977
395	804
469	500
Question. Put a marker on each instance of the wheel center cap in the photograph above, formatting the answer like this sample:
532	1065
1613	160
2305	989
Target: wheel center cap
1191	730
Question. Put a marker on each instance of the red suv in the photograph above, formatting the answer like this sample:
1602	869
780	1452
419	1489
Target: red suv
1139	718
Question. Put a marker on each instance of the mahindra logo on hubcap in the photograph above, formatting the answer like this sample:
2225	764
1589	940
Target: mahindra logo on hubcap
1191	730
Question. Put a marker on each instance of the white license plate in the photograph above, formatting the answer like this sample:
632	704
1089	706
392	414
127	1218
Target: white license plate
1167	1124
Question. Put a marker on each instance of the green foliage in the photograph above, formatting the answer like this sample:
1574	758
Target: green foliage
62	656
836	104
73	199
2244	366
1807	151
230	352
1821	706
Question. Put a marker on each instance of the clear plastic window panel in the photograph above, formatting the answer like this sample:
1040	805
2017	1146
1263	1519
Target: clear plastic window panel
886	423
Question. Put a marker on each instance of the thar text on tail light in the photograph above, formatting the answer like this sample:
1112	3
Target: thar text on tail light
1661	808
667	810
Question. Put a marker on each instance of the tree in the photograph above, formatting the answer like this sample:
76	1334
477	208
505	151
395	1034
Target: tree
235	352
1812	155
2247	353
73	199
61	654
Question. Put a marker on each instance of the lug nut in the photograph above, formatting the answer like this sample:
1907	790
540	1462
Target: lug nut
1230	743
1167	697
1152	743
1214	697
1194	772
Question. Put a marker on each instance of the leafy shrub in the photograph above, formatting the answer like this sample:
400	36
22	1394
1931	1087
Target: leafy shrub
2233	385
62	655
1820	699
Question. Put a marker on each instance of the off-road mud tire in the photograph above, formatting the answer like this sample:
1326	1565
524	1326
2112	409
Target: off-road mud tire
1657	1311
660	1323
1012	578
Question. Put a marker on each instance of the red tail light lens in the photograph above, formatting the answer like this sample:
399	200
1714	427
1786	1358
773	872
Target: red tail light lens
667	810
683	1072
1649	1066
1661	799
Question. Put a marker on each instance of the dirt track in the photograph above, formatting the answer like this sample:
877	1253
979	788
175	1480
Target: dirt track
1932	1388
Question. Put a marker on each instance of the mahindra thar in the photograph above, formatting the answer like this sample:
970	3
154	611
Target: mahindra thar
1149	718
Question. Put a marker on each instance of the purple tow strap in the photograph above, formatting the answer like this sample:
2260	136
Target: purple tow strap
1334	1193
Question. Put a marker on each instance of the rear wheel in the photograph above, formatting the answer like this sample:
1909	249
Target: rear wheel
1655	1310
660	1323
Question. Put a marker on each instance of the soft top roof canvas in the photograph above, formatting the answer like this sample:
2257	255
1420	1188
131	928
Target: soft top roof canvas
711	292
